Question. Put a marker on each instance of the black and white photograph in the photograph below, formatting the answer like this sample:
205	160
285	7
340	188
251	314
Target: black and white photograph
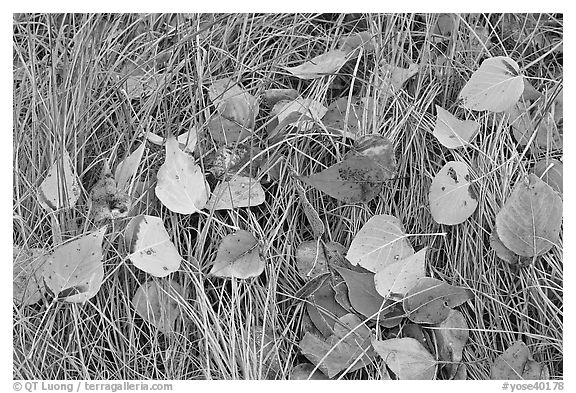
287	196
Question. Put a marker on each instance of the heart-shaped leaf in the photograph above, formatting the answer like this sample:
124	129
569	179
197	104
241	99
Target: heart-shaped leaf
530	221
240	191
150	247
396	278
452	199
453	132
238	256
495	86
451	337
380	242
407	358
325	64
74	272
61	187
158	302
517	363
181	186
127	168
430	300
27	274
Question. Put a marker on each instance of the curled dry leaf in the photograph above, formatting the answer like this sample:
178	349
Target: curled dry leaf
107	202
550	171
452	199
453	132
396	278
27	274
325	64
61	187
238	257
530	221
127	168
240	191
407	358
311	214
495	86
74	272
181	186
158	303
233	102
360	176
430	300
187	140
150	247
272	96
451	337
517	363
380	242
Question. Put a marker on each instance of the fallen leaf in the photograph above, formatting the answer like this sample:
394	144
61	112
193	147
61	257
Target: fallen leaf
74	272
150	247
181	185
451	337
430	300
360	175
550	171
380	242
452	132
264	345
240	191
310	259
325	64
233	102
238	257
495	86
443	27
524	124
187	140
529	222
396	278
140	84
227	131
323	309
301	113
530	93
60	187
271	96
304	371
392	77
311	214
504	253
158	303
348	350
27	275
517	363
363	295
362	39
452	199
407	358
127	168
344	117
